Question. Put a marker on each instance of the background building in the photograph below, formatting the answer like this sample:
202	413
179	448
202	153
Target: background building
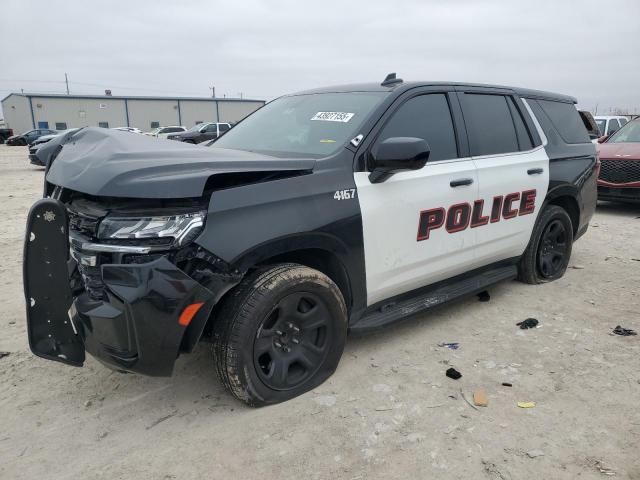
25	111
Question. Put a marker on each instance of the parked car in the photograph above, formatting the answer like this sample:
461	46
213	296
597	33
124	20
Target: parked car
201	132
129	129
163	132
27	137
334	210
619	178
4	134
37	143
591	125
608	124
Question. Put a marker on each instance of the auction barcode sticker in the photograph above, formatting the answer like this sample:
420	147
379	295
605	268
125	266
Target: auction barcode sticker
333	116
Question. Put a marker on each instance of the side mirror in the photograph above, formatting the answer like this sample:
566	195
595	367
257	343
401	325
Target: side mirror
395	155
603	138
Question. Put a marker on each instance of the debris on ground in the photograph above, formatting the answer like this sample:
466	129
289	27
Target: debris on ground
604	469
535	453
528	323
526	404
480	398
453	373
450	345
625	332
484	296
4	354
507	384
577	267
468	402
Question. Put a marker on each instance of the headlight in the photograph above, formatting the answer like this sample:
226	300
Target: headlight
182	228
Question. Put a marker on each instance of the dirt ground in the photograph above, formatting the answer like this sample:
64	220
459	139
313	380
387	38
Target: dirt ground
388	412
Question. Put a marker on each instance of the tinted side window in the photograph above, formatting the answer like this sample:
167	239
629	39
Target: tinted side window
613	126
524	138
427	117
566	120
489	122
622	121
224	127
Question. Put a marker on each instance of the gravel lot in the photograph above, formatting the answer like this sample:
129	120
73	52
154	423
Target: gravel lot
388	412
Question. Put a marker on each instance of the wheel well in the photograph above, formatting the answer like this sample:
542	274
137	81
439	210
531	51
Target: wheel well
571	207
320	260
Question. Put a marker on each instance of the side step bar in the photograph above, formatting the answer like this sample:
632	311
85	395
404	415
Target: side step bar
433	298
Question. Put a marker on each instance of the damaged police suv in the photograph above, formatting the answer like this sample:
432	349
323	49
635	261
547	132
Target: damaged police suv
333	210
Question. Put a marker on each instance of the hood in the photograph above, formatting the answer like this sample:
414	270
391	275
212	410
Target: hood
619	151
45	138
186	134
103	162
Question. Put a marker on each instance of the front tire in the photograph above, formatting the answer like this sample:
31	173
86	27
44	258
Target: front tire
547	255
279	333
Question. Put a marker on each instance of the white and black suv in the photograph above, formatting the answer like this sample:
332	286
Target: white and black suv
333	210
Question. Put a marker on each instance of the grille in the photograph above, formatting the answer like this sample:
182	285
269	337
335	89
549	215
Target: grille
620	171
83	223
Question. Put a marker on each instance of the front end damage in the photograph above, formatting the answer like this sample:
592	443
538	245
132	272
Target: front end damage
133	303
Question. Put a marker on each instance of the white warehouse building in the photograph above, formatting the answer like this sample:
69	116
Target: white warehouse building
26	111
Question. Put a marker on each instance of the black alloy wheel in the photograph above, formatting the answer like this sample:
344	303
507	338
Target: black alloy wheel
552	249
292	341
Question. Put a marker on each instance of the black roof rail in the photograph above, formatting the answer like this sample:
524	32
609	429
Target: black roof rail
391	80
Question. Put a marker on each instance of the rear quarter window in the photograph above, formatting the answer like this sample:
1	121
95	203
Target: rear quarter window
566	120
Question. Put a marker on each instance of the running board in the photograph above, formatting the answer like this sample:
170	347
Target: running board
391	313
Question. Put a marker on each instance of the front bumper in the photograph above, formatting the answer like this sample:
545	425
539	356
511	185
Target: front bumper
137	325
619	194
34	160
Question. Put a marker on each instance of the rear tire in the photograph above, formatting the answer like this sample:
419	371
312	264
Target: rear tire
547	255
279	333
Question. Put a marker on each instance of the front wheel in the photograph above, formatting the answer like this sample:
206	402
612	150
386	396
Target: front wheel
279	333
547	255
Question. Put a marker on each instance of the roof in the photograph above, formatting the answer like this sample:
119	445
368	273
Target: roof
129	97
404	86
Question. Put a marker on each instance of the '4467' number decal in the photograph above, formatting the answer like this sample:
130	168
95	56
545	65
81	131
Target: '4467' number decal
347	194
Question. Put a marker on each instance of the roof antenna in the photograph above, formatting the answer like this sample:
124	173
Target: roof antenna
391	80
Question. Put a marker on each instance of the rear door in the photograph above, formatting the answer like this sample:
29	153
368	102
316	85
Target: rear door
513	172
408	242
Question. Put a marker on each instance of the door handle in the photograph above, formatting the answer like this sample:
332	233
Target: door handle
460	182
535	171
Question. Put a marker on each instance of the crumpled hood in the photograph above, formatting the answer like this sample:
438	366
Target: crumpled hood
103	162
619	151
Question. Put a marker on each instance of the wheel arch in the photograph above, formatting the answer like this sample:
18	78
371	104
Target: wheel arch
569	203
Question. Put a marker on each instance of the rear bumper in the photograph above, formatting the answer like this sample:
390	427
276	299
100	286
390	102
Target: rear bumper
137	326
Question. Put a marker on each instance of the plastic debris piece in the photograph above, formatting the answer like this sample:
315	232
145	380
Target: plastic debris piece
480	398
535	453
484	296
526	404
450	345
453	373
625	332
507	384
468	402
4	354
528	323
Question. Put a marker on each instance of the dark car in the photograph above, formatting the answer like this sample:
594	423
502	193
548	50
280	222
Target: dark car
4	134
619	178
28	137
335	210
201	132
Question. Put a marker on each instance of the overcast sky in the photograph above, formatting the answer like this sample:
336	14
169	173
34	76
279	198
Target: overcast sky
589	49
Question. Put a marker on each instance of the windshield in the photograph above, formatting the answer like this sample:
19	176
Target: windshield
197	127
303	125
601	126
629	133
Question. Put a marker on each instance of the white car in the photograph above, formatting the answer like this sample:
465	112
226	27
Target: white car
128	129
608	124
163	132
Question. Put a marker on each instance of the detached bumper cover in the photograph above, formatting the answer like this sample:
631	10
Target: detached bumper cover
135	328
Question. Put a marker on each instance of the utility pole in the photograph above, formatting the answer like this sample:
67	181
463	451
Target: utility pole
66	80
213	91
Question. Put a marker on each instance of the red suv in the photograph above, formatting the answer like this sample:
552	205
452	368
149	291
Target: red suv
619	178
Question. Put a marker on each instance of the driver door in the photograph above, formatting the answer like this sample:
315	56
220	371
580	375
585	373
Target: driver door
400	253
